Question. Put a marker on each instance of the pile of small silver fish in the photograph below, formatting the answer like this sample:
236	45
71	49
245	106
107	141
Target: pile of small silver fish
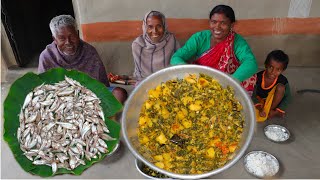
61	125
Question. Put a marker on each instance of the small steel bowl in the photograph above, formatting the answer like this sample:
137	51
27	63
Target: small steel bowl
282	133
139	166
270	158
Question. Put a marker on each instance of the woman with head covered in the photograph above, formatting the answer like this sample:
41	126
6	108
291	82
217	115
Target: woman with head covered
153	49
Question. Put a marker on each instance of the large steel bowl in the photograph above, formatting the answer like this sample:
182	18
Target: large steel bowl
132	108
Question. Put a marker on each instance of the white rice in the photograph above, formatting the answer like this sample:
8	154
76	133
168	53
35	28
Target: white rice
261	164
276	134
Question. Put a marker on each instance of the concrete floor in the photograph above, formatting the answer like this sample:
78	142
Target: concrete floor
299	157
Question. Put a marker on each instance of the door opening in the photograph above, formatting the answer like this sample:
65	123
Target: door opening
27	26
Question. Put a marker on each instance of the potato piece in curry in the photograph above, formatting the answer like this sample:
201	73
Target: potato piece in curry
191	125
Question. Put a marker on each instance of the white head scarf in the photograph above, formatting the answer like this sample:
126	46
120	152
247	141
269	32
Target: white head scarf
149	56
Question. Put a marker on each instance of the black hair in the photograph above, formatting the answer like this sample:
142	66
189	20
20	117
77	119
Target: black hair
279	56
224	9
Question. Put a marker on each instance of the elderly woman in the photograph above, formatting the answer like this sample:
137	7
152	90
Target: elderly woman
153	49
221	48
69	52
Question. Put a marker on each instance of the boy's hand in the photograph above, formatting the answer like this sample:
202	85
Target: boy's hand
262	113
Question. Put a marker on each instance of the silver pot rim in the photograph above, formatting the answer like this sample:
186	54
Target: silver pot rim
185	68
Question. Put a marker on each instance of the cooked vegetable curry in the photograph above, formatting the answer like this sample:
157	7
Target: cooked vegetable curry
191	125
152	172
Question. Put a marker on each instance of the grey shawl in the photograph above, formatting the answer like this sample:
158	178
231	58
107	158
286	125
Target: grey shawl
150	57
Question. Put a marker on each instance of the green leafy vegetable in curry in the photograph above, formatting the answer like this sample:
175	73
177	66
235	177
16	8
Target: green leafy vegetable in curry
191	125
152	172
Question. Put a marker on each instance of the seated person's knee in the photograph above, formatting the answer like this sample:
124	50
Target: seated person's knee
120	94
280	88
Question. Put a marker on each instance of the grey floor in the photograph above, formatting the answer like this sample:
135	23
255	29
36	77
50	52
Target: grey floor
299	157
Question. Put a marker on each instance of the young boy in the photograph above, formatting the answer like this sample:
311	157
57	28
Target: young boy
272	92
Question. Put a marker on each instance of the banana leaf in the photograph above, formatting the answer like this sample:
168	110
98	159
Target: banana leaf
15	99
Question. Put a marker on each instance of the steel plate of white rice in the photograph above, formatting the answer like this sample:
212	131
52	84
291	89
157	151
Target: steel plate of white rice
276	133
261	164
